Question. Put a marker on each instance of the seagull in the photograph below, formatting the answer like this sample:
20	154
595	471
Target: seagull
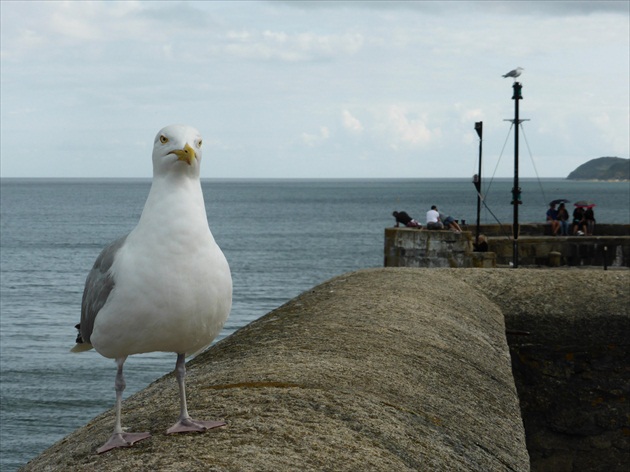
165	286
514	73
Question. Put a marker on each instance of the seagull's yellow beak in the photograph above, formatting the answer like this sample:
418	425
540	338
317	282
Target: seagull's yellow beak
187	154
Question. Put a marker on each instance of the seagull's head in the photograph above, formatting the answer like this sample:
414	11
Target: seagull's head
177	148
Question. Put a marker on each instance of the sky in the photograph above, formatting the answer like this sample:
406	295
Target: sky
317	89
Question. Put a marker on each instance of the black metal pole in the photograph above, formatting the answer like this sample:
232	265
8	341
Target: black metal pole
479	130
516	191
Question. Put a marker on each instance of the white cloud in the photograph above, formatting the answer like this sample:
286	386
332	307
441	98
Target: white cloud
79	21
350	122
409	128
316	139
279	45
469	115
58	25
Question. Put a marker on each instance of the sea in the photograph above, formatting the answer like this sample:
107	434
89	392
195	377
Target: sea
281	237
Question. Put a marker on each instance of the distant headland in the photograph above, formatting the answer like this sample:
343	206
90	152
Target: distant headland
602	168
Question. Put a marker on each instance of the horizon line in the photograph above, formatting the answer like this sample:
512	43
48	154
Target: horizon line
292	178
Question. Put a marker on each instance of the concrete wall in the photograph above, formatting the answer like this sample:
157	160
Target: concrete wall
377	370
569	337
613	251
610	245
408	247
542	229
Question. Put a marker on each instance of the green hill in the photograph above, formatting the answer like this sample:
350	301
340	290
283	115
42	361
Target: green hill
602	168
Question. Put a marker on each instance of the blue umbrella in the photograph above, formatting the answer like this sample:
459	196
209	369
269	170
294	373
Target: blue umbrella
559	200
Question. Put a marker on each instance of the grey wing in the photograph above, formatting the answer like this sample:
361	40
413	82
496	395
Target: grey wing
98	285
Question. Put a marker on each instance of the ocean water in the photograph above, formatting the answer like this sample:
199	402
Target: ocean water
280	237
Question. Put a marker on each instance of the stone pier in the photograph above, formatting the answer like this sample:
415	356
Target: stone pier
377	370
399	369
410	247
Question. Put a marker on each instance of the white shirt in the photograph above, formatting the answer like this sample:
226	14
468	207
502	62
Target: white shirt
432	216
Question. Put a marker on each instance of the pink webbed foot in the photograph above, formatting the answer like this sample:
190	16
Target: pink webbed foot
188	425
122	440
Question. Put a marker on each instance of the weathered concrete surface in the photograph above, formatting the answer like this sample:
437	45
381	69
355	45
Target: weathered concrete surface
613	251
411	247
382	369
573	369
544	229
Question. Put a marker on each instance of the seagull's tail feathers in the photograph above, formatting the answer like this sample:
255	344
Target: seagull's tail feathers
81	347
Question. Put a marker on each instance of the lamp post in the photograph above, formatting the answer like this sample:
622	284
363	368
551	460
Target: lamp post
477	178
516	190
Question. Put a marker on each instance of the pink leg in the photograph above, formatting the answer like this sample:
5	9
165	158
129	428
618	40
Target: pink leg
118	437
185	422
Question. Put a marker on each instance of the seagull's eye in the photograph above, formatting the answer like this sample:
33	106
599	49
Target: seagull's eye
199	143
163	139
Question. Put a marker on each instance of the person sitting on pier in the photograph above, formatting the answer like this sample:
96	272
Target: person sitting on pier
404	218
552	218
563	219
579	223
433	219
589	219
482	244
450	223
